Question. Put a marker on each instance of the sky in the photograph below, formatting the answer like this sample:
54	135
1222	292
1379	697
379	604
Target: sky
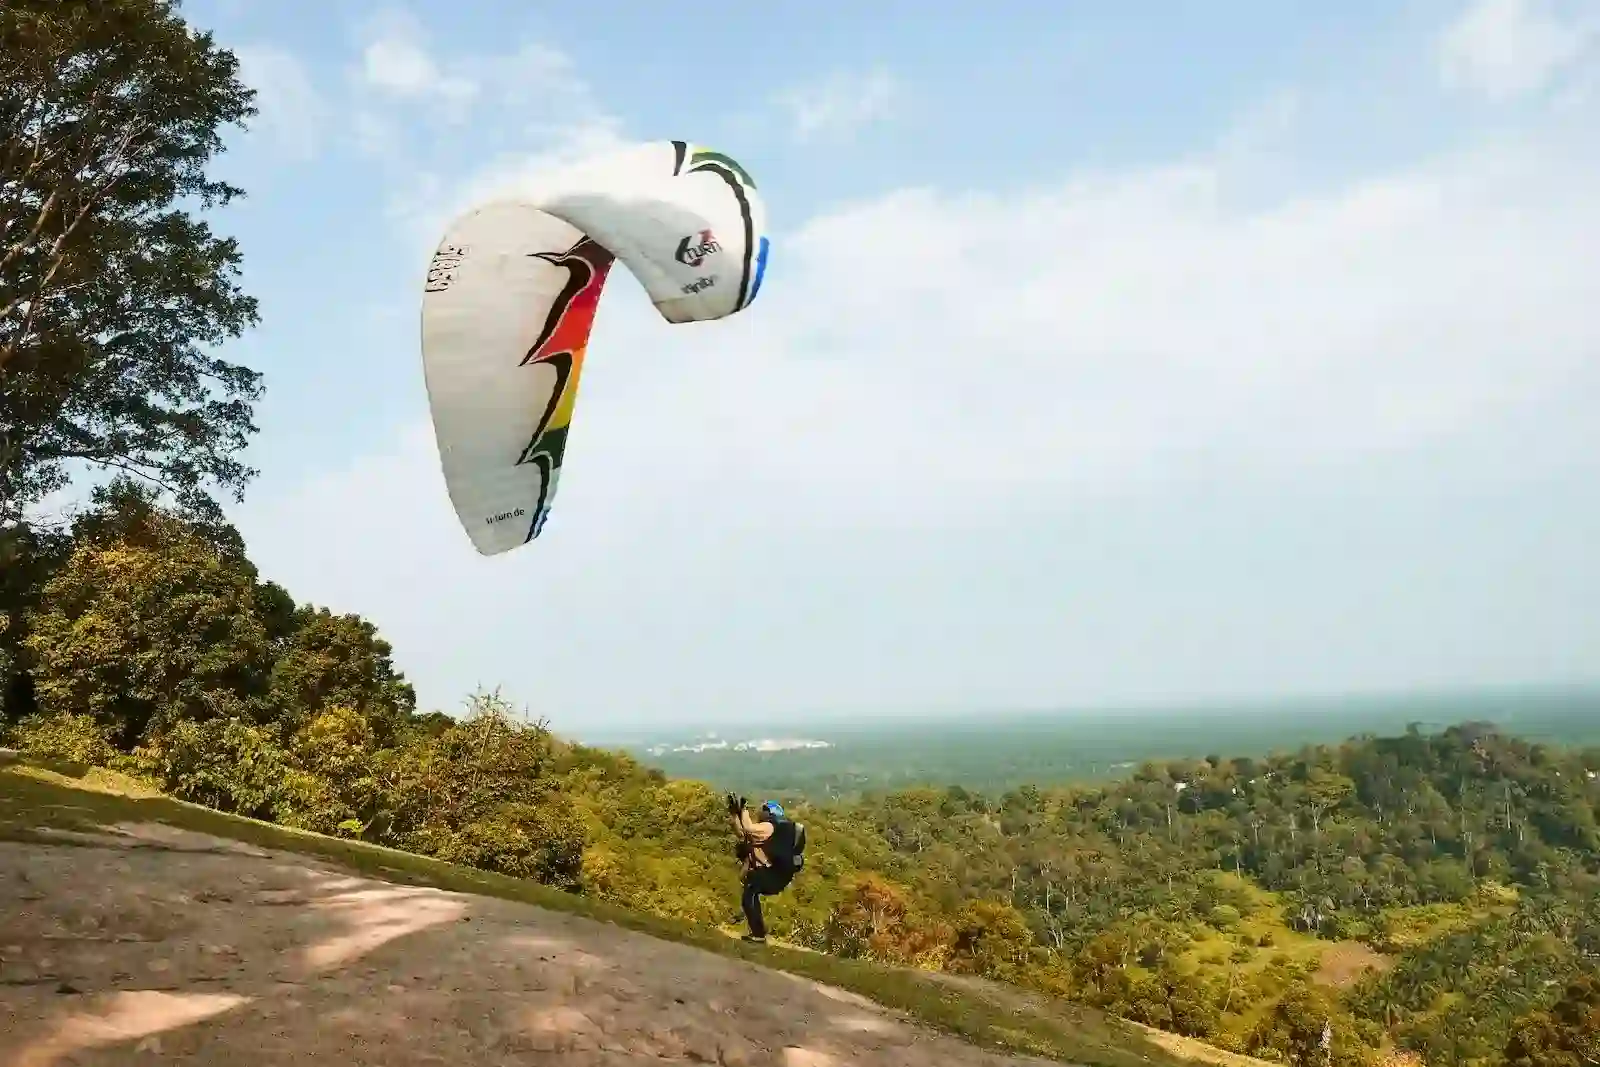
1107	354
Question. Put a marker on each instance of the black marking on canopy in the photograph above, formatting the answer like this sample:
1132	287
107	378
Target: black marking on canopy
706	155
562	362
716	167
546	469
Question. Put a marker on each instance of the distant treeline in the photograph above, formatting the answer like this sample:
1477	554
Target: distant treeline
994	753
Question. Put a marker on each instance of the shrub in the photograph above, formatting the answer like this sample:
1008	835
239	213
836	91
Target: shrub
63	736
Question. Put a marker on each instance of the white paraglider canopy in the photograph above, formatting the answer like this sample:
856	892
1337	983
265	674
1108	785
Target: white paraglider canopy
510	299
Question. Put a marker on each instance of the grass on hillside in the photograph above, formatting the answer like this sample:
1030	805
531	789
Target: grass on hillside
1251	934
36	796
1400	929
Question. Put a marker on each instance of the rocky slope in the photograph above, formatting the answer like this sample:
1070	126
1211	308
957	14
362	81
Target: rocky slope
151	945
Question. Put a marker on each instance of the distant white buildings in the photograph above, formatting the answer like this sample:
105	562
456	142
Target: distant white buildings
783	745
765	744
698	746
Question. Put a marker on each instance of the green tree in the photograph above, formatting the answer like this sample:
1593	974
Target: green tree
341	782
123	512
228	764
1566	1035
112	287
1301	1029
329	660
128	511
28	556
992	939
141	637
482	793
75	739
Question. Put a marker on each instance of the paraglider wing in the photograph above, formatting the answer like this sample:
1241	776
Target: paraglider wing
510	298
693	230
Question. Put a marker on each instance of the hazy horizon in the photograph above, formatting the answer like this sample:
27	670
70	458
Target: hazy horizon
1380	705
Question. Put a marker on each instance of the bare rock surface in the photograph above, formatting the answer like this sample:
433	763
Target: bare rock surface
148	945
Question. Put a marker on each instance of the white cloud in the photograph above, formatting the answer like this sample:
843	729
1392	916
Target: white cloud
934	368
396	62
425	205
399	67
841	103
289	105
1510	48
533	90
531	110
947	361
405	70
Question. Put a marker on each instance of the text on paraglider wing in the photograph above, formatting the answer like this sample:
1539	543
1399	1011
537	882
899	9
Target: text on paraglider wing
698	285
503	516
693	250
442	267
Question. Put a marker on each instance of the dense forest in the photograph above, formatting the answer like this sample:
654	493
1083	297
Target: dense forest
1436	892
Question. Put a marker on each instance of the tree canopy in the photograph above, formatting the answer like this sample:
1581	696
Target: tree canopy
113	287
